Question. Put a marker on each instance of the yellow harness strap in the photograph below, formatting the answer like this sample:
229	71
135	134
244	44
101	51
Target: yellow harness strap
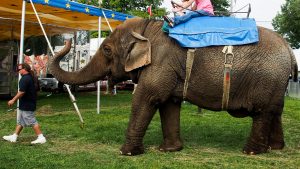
188	70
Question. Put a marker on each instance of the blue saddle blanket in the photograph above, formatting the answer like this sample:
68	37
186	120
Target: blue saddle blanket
214	31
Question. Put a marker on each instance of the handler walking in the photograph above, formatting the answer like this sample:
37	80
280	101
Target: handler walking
27	105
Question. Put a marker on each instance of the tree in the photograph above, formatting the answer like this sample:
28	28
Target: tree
221	6
287	23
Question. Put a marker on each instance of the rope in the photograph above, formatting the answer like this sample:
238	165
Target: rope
107	21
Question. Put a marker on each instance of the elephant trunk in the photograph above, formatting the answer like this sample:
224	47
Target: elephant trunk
92	72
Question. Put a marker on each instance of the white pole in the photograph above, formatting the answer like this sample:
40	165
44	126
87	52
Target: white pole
99	42
21	58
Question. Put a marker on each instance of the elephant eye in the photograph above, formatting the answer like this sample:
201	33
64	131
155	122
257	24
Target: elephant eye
107	50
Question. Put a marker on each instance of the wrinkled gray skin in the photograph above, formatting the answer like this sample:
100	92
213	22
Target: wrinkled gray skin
259	78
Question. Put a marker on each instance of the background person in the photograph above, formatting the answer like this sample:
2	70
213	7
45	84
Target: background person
27	106
201	7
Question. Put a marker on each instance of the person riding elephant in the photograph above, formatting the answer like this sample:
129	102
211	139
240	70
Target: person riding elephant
140	50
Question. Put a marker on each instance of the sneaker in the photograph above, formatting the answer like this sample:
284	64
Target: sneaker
169	21
10	138
39	140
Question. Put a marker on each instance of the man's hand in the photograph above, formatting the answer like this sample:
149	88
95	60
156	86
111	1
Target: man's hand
17	96
10	103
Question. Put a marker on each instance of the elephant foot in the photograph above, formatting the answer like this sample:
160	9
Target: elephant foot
277	145
170	147
253	148
131	150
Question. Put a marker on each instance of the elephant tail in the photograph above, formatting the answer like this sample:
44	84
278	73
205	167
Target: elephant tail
294	66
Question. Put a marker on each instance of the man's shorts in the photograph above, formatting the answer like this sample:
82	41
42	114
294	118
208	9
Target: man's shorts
26	118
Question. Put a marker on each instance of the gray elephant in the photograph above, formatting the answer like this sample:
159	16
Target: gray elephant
139	49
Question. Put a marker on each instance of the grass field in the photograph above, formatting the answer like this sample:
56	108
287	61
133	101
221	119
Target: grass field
211	139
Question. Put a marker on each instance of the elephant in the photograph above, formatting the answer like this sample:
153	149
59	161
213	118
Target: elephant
138	49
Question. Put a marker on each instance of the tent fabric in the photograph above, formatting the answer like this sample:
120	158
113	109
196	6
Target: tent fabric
83	8
57	16
214	31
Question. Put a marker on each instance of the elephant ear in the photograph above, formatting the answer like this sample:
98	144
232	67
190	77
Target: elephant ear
139	54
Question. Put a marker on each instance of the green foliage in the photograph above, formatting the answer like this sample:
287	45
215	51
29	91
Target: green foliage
94	34
136	7
211	139
89	2
126	6
287	23
220	5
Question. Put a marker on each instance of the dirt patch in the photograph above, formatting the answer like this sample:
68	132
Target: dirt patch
46	109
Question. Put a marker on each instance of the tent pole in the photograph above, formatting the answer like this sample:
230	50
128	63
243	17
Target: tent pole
21	58
99	42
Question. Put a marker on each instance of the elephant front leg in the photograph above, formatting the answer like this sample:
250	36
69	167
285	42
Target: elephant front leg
142	113
258	141
170	122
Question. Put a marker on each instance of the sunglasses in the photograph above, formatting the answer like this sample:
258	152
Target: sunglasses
19	68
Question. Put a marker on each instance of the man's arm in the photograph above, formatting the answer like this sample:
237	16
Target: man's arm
17	96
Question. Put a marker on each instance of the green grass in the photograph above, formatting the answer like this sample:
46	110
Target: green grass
211	139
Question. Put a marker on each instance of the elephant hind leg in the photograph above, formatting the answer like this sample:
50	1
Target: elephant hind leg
258	141
266	131
276	138
170	122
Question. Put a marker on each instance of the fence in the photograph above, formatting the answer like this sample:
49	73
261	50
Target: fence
293	89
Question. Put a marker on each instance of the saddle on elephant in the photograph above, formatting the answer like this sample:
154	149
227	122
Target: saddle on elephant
214	31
